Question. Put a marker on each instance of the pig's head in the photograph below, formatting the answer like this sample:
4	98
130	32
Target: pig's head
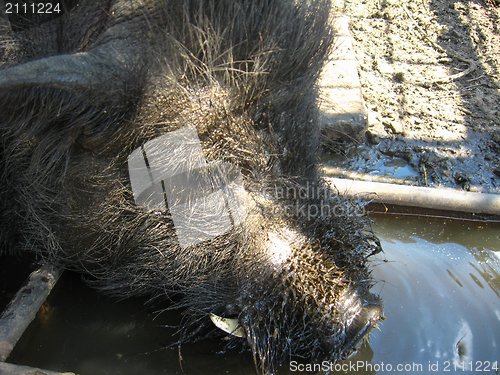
298	283
279	262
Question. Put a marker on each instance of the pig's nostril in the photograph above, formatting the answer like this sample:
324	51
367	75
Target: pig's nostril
362	324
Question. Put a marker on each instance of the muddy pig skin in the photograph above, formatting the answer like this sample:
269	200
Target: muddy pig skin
169	147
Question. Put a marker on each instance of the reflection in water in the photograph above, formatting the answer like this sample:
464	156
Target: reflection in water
439	280
488	264
440	283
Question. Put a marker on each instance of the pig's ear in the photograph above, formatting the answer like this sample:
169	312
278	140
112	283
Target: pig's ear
77	97
108	69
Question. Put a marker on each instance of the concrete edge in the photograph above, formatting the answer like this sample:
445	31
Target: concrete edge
342	108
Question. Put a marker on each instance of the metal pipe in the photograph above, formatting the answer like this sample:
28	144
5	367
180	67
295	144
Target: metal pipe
446	199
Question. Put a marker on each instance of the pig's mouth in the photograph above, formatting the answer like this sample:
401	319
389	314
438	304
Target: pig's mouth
361	325
356	315
228	325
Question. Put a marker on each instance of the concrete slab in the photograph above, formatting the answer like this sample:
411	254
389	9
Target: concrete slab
343	112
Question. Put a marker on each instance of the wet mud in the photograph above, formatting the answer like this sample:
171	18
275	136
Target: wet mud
430	76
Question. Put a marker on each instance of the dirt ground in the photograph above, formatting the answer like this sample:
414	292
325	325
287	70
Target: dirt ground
430	76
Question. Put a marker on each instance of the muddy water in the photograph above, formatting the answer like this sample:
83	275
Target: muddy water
441	285
439	278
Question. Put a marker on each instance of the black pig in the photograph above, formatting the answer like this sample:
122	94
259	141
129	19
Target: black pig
170	147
